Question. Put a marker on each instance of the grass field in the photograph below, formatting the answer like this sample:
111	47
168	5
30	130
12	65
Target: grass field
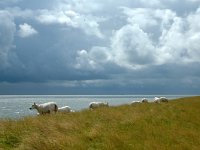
145	126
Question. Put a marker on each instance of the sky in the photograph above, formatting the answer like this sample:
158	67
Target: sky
100	47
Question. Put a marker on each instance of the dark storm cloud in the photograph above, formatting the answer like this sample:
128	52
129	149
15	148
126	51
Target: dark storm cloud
99	47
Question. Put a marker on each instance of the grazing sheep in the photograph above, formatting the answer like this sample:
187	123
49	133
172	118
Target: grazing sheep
65	109
160	99
46	108
94	105
135	102
156	100
163	99
144	100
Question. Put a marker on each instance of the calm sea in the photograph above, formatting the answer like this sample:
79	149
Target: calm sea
17	106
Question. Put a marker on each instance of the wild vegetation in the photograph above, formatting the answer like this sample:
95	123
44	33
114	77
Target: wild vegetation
152	126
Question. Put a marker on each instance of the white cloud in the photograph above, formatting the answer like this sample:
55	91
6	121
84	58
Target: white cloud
26	30
83	7
94	59
131	47
193	20
179	43
84	61
171	44
141	16
88	23
7	31
54	17
17	12
193	36
147	18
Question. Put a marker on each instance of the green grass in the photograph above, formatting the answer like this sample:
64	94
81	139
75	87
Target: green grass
151	126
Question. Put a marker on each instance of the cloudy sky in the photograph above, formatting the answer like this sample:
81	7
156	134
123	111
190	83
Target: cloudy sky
100	47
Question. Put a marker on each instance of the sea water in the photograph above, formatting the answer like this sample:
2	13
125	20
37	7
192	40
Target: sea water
17	106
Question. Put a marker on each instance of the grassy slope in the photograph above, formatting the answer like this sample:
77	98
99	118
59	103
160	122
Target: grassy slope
173	125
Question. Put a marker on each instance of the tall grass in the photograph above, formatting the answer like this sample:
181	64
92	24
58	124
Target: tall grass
173	125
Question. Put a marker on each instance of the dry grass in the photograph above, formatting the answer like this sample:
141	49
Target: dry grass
173	125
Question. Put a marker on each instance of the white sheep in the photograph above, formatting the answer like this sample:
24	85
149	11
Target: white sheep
156	100
160	99
135	102
65	109
94	105
144	100
46	108
163	99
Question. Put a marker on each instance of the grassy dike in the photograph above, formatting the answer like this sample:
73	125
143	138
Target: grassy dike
151	126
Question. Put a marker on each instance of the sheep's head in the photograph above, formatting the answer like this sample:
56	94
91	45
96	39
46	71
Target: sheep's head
34	106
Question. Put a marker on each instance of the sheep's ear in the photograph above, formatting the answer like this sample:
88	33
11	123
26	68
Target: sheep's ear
34	103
